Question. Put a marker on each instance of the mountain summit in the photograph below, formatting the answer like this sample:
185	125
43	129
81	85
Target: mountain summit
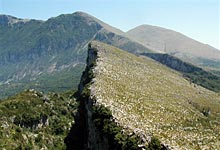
174	43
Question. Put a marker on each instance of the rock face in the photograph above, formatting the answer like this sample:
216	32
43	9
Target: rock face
130	101
94	140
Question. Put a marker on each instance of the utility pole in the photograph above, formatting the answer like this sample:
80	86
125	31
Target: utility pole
165	47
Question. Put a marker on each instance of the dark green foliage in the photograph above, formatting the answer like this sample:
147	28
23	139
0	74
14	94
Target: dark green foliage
33	120
205	79
154	144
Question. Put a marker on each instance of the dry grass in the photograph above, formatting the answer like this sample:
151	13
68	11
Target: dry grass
151	99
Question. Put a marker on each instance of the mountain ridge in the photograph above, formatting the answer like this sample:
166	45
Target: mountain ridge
135	99
10	20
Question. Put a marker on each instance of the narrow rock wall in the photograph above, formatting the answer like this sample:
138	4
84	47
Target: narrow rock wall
94	140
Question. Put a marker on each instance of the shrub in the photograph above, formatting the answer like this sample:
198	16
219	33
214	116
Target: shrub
154	144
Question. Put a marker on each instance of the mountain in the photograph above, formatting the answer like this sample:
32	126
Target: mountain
47	55
176	44
137	103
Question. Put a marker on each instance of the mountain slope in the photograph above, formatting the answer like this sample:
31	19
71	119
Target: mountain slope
175	43
31	50
192	73
146	99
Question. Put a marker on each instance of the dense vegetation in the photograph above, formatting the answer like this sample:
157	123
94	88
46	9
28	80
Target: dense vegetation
33	120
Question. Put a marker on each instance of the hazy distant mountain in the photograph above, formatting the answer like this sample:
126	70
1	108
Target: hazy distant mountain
176	44
47	55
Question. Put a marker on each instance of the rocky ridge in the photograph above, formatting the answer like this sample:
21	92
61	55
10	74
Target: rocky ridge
149	100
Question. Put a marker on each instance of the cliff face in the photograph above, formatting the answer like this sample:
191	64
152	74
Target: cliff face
130	102
88	136
94	141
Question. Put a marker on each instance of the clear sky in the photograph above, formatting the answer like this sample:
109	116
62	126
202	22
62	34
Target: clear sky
198	19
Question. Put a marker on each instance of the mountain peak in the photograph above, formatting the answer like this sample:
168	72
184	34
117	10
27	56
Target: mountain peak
81	13
104	25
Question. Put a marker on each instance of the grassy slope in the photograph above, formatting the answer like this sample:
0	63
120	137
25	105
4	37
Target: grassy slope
147	96
31	120
195	74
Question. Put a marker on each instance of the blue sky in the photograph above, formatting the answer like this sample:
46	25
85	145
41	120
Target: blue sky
198	19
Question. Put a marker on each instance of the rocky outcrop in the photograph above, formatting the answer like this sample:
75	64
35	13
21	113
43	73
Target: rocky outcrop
90	136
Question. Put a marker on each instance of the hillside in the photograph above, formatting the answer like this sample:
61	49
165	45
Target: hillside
138	102
191	72
33	120
45	54
176	44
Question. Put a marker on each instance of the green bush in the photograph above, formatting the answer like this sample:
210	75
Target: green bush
154	144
